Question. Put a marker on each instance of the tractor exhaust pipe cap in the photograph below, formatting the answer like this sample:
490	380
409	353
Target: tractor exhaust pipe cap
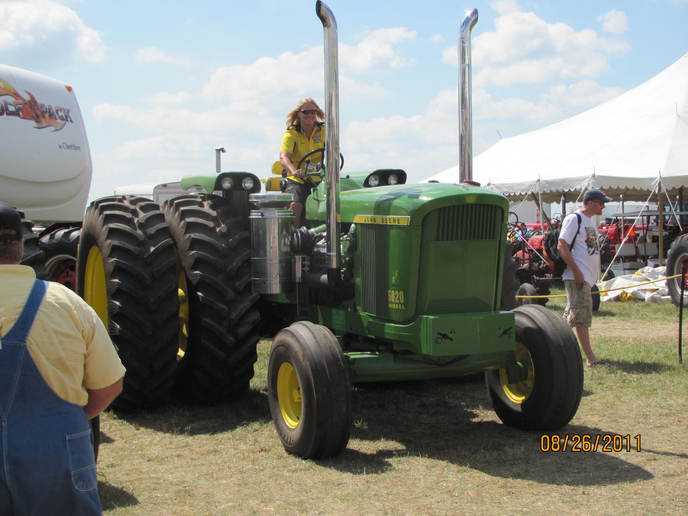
465	99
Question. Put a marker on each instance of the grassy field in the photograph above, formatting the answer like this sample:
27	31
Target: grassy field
425	448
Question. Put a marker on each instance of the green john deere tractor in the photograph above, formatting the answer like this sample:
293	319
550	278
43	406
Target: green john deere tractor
389	281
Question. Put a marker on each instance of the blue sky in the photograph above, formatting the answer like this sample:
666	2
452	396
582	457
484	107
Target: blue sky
161	84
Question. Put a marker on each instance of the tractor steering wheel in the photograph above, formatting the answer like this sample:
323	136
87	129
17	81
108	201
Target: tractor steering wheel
320	165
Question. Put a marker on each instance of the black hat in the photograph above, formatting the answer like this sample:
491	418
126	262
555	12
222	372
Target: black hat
10	219
596	195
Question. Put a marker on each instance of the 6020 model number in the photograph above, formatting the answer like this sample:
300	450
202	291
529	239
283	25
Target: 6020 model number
584	443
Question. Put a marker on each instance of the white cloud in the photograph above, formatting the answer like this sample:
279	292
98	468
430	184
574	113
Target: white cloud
165	97
525	49
437	38
427	142
295	74
505	6
158	55
377	49
43	28
292	73
581	94
614	22
168	119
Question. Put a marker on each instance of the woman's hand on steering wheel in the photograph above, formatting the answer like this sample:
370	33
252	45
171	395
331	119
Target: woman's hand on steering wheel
321	164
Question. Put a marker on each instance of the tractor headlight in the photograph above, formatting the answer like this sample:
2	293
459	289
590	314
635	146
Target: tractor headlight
227	183
248	183
393	179
373	180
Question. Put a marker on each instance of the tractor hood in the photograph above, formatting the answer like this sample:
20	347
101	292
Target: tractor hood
409	203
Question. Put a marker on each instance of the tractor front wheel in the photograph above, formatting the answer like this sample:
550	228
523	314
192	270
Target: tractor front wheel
309	391
595	293
548	397
526	289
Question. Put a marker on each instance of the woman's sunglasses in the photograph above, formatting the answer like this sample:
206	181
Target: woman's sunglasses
309	111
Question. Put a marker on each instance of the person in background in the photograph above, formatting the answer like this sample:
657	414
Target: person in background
305	133
578	247
58	369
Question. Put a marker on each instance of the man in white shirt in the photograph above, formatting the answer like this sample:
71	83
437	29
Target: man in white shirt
579	249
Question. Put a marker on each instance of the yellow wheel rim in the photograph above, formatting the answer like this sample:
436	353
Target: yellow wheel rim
520	391
95	285
183	294
289	395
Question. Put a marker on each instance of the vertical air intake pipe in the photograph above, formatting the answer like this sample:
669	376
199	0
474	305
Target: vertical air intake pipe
465	99
332	137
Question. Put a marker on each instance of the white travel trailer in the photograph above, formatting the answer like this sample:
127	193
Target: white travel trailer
45	167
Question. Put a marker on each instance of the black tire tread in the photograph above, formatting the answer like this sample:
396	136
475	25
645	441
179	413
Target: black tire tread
214	251
596	300
33	255
326	390
64	240
140	268
526	289
558	373
678	248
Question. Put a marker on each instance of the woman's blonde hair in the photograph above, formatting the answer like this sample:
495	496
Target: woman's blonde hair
293	116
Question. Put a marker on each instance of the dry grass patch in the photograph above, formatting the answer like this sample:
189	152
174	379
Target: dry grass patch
423	448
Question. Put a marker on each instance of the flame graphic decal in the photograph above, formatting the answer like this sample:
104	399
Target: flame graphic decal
30	109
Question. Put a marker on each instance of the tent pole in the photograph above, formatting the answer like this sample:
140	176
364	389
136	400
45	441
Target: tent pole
682	218
660	223
542	225
563	205
623	218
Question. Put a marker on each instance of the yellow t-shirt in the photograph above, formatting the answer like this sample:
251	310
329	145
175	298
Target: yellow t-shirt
298	145
67	342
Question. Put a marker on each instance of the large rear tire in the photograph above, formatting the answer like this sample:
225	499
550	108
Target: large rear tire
127	273
309	391
61	247
677	262
214	249
547	399
33	255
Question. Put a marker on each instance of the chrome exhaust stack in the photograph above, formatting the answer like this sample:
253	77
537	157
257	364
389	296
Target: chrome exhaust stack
332	137
465	98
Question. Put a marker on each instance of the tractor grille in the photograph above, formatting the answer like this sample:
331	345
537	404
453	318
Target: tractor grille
368	270
469	222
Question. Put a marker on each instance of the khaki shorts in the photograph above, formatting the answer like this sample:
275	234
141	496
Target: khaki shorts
578	311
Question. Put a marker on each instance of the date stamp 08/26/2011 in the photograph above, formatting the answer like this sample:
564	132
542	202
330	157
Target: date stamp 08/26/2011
587	443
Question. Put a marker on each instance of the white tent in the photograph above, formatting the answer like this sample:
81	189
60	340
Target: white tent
623	146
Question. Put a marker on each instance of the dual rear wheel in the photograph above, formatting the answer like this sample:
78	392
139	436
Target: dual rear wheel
175	298
126	272
218	310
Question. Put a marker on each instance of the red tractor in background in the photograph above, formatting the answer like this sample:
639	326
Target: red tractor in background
534	266
533	271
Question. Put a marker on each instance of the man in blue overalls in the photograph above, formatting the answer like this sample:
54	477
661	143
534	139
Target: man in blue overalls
58	369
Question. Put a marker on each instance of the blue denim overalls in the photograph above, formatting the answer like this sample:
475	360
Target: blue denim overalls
46	456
